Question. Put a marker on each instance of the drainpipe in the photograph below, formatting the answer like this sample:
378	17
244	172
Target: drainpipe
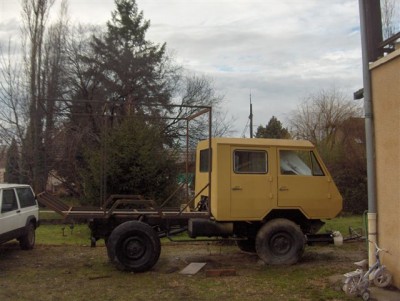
369	131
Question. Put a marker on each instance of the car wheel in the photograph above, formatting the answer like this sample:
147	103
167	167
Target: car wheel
27	241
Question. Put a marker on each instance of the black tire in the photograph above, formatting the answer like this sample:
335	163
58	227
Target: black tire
248	245
27	241
133	246
280	241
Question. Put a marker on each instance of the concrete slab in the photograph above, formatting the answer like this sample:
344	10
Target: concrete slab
193	268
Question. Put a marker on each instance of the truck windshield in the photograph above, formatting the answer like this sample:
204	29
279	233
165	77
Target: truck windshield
299	163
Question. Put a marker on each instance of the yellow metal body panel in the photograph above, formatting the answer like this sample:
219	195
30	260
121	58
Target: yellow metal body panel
239	196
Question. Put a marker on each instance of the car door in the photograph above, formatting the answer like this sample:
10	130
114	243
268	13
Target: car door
10	214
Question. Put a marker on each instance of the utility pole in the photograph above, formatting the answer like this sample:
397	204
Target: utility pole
251	118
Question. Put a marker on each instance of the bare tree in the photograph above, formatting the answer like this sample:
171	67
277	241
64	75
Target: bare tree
35	15
13	108
13	112
53	81
194	90
390	17
320	115
80	82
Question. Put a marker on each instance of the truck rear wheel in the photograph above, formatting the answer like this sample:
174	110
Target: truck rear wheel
134	246
280	241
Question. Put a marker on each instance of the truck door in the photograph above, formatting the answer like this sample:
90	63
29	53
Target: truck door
251	183
302	183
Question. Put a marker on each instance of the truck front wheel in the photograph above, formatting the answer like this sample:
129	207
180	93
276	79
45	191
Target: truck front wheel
133	246
280	241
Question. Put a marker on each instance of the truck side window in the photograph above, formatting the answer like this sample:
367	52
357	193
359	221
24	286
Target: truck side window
9	201
316	168
26	197
250	161
204	155
302	163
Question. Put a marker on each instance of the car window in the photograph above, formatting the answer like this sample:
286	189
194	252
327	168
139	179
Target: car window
26	197
9	201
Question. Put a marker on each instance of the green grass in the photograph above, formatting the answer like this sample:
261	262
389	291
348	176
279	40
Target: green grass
63	234
45	214
342	224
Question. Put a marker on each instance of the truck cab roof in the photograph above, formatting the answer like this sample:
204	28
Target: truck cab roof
259	142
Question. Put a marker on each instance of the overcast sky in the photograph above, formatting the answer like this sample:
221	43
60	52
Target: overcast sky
279	51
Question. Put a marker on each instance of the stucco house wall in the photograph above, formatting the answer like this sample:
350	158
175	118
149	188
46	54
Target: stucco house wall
385	77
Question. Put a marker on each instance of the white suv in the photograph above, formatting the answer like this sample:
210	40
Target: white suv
19	214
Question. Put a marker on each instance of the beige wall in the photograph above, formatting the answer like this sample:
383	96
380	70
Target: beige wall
386	107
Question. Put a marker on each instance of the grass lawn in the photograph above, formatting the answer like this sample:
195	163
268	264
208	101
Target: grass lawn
342	224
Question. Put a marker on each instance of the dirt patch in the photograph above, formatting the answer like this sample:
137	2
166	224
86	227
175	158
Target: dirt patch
82	273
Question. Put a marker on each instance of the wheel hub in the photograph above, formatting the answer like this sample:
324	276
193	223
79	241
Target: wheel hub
280	244
134	248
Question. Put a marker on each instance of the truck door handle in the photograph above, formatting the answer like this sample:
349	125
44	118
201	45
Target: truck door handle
237	188
18	211
283	188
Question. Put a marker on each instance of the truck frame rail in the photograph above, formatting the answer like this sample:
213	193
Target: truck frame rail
120	206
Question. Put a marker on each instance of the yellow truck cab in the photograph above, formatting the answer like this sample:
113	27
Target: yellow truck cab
259	187
252	177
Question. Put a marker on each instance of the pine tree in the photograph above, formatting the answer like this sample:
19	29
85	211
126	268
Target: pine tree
130	68
273	129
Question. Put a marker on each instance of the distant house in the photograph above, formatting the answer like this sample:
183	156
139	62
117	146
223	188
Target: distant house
385	80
